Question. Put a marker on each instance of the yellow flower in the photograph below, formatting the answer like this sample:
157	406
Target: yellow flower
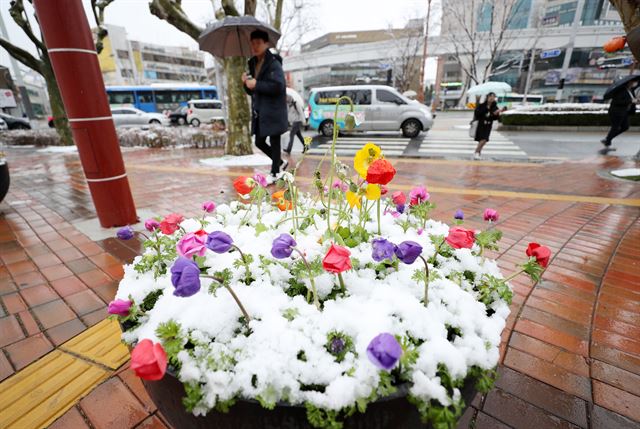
373	192
353	199
307	141
364	157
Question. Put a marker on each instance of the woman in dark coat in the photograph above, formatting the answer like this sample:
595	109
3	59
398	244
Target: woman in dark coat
485	114
267	87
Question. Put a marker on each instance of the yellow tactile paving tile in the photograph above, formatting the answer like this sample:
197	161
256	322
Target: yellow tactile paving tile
43	391
101	344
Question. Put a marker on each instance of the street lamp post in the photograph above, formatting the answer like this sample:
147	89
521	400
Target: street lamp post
424	53
569	51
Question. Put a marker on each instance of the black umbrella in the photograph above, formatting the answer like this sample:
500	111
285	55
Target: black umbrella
620	84
230	37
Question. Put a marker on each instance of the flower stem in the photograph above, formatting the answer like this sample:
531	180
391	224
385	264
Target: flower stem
343	288
512	276
313	284
426	281
247	275
235	297
379	233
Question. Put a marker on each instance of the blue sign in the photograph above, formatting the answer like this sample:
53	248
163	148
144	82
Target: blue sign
552	53
627	61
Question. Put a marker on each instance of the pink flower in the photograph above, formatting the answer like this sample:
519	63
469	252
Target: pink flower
398	198
151	225
120	307
191	244
418	195
208	206
260	179
490	215
338	184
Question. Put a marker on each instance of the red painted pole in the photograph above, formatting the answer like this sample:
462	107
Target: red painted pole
73	56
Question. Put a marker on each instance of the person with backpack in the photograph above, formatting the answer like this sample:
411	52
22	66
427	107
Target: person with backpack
267	87
296	119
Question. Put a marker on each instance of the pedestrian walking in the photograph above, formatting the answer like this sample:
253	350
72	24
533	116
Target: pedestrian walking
267	87
485	113
296	119
622	105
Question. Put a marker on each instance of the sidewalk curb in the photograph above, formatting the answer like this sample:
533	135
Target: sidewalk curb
572	128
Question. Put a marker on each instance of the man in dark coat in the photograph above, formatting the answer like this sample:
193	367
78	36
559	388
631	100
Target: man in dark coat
622	105
267	87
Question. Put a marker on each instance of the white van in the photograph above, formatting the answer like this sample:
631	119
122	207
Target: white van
377	108
204	111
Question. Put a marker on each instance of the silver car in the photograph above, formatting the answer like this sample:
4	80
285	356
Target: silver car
132	117
377	107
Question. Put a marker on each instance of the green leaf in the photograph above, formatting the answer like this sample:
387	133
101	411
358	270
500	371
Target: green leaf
260	228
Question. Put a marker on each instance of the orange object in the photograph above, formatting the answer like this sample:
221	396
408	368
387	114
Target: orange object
615	44
282	203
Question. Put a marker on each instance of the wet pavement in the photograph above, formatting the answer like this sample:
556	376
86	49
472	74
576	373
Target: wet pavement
571	350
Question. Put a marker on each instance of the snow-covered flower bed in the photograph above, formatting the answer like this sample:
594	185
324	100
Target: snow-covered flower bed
329	300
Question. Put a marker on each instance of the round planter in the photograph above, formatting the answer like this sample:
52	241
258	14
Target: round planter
392	412
4	179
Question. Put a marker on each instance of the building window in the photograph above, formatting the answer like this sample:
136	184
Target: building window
126	73
520	15
485	16
123	54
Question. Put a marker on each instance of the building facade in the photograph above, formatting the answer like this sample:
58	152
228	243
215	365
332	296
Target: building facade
536	41
129	62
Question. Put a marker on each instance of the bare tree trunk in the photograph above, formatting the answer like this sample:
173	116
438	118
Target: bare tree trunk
60	120
238	142
629	11
277	21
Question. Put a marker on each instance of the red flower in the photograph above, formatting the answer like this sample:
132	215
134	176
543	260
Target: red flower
380	172
337	259
541	253
460	238
398	198
170	223
243	185
148	360
383	190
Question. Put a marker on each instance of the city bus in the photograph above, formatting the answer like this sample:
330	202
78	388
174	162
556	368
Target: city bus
159	97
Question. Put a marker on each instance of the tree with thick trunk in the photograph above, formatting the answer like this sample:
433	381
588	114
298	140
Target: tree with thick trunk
238	131
629	11
42	64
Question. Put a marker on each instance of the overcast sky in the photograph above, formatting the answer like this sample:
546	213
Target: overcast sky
327	16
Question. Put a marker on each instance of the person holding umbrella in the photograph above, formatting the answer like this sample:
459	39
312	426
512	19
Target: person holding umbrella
485	113
621	106
267	87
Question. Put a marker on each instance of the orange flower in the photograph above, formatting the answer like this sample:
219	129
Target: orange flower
243	185
282	203
380	172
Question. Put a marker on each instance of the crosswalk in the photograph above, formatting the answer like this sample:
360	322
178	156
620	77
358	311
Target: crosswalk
348	146
457	143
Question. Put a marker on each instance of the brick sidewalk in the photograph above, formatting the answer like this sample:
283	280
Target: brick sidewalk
571	353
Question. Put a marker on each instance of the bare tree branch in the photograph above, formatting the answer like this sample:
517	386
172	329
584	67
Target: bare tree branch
250	7
17	12
171	11
21	55
98	7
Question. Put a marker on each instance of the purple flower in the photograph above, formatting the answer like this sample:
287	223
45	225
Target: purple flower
219	242
490	215
125	233
151	225
384	351
337	346
283	246
261	179
382	249
338	184
458	215
408	251
185	277
119	307
400	208
208	206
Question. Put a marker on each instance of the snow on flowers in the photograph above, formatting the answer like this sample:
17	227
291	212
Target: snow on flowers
308	299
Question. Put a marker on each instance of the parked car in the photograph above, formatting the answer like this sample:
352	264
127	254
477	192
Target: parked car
3	125
15	123
179	116
132	117
200	111
377	108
